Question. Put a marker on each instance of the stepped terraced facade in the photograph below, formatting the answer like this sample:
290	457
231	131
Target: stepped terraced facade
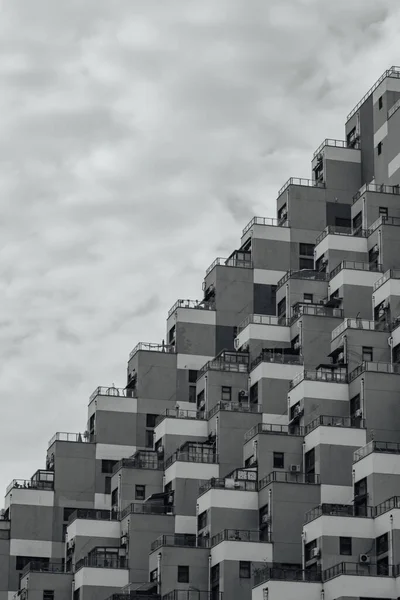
256	453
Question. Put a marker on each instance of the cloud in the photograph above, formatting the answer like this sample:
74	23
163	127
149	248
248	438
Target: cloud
137	138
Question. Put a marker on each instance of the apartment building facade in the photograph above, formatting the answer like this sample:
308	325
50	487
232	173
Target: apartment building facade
255	452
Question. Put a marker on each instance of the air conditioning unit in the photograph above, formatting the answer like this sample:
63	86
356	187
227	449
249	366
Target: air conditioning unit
243	394
236	343
315	553
358	413
364	559
124	540
294	468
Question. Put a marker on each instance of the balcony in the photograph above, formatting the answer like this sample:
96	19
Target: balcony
220	365
148	347
147	509
328	421
242	263
182	540
239	485
261	428
288	477
261	320
112	391
234	407
93	514
276	357
300	182
336	144
375	367
393	72
394	221
325	376
29	484
62	436
390	504
356	266
177	413
241	535
373	446
40	566
361	570
151	462
314	310
390	274
376	188
339	510
336	230
281	574
135	596
265	221
101	562
309	274
394	108
192	304
202	456
193	594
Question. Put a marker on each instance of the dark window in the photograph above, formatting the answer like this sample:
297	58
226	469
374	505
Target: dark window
382	566
254	393
355	404
345	546
192	394
151	420
380	102
140	492
22	561
92	424
360	497
309	460
306	263
149	441
114	498
107	466
341	222
67	513
279	460
244	569
171	335
380	148
384	211
202	520
154	575
352	137
382	543
200	399
107	485
308	550
396	354
215	573
192	376
308	298
282	308
64	531
357	221
226	393
48	594
307	250
77	594
367	353
183	574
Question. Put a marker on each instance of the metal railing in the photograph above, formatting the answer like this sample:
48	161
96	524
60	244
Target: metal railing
241	535
356	266
359	324
393	109
379	188
152	463
40	566
336	144
102	562
382	220
93	514
192	457
234	407
309	274
375	367
273	428
276	357
392	72
326	377
112	391
195	304
339	510
390	274
28	484
223	365
147	509
280	574
135	596
374	446
62	436
302	182
185	540
261	320
148	347
230	262
389	504
265	221
314	310
288	477
177	413
240	485
329	421
193	594
337	230
353	568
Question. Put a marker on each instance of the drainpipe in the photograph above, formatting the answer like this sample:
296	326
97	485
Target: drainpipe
255	454
209	576
345	349
216	435
197	525
72	589
119	493
287	301
65	552
390	342
303	554
362	399
248	391
127	542
391	541
159	573
304	459
300	326
205	394
270	510
364	214
380	245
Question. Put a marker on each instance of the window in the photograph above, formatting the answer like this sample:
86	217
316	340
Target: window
309	460
380	102
380	148
307	250
202	520
360	497
306	263
341	222
384	211
140	492
282	308
154	575
149	438
244	569
92	424
215	573
279	460
367	354
48	594
382	543
308	298
183	574
357	221
352	138
226	393
345	546
151	420
107	485
114	498
67	513
382	566
308	550
192	376
396	354
107	466
22	561
200	399
355	404
192	394
254	393
77	594
282	214
171	335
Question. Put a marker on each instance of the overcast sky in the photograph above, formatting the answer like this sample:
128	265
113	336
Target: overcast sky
137	139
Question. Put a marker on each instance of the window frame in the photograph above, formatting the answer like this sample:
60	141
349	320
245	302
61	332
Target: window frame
151	420
365	352
183	574
379	148
107	484
383	211
138	495
107	465
345	546
244	569
308	298
278	457
226	393
380	102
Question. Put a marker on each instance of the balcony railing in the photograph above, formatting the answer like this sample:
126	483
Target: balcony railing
193	594
280	574
336	230
356	266
234	407
147	509
93	514
28	484
393	109
336	144
40	566
191	457
309	274
390	274
261	320
393	72
222	365
177	413
390	504
374	446
314	310
375	367
195	304
288	477
184	540
359	324
339	510
230	262
112	391
240	535
328	421
62	436
239	485
326	377
302	182
382	220
264	221
274	429
102	562
152	463
148	347
277	357
135	596
353	568
379	188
